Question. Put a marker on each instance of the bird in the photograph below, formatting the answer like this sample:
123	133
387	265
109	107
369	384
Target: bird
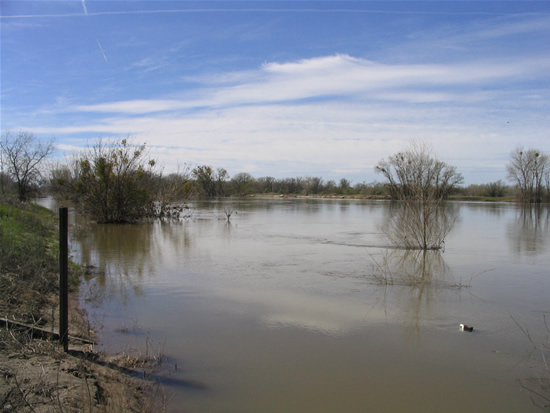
464	327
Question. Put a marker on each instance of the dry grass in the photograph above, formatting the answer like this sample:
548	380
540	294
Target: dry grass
37	376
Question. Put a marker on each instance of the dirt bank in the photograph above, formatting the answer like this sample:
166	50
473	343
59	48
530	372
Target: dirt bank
37	376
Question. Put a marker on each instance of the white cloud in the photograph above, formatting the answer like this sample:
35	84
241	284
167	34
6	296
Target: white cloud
340	76
329	115
132	106
515	25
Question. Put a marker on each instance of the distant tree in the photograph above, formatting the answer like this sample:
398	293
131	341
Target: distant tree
291	185
529	169
210	182
496	189
372	189
205	180
63	178
22	158
378	188
221	177
361	187
345	184
115	181
242	183
266	184
330	187
313	185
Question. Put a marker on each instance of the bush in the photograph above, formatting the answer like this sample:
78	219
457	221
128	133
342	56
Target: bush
115	182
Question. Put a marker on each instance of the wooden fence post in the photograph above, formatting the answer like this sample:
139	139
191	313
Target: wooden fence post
63	279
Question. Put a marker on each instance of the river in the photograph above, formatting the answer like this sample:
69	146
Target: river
301	305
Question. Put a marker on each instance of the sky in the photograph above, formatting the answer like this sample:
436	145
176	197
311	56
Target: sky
282	89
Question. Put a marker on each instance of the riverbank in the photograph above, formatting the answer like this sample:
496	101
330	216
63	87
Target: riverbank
36	374
378	197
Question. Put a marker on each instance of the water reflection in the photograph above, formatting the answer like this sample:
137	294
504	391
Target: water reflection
116	249
419	273
486	208
282	297
419	225
410	267
123	255
528	233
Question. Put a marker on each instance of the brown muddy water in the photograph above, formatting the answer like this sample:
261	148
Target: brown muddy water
282	309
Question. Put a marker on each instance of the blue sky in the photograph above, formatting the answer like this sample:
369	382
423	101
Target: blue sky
283	89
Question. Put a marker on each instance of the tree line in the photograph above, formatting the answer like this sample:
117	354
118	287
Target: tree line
117	180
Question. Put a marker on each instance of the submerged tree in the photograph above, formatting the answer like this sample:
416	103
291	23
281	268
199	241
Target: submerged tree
416	174
421	182
115	181
529	170
22	158
171	190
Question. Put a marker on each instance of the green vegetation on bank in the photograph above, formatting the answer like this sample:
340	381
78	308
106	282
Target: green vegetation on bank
37	376
29	261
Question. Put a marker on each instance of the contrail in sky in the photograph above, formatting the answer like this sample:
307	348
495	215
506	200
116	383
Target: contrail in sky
271	10
101	48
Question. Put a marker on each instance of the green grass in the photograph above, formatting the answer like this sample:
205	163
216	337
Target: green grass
29	261
21	220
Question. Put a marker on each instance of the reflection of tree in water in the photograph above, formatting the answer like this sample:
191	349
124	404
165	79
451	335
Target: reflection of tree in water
115	249
419	225
415	276
487	208
123	254
528	232
410	267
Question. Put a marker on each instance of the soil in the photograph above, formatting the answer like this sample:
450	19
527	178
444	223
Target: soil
37	376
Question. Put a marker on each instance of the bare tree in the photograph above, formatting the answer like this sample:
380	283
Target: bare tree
23	158
221	177
313	184
345	184
266	184
291	185
416	174
421	182
171	190
529	170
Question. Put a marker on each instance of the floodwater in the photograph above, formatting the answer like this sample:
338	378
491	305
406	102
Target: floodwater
285	308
